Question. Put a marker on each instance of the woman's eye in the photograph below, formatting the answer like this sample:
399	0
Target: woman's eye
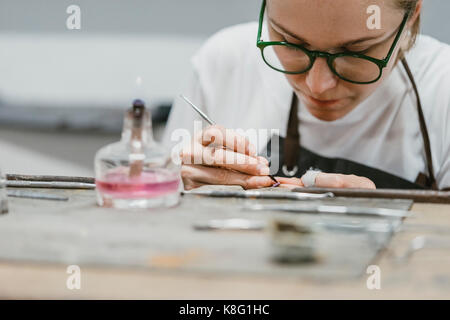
294	48
360	50
293	41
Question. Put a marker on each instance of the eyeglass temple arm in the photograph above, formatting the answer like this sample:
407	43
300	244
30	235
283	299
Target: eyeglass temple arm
397	38
261	17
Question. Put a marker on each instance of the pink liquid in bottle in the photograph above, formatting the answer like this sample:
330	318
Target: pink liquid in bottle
118	184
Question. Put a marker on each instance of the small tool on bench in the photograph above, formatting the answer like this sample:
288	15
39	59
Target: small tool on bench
340	210
25	177
426	196
35	195
235	224
254	194
239	224
55	182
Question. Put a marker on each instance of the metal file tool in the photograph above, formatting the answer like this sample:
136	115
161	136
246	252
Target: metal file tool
249	194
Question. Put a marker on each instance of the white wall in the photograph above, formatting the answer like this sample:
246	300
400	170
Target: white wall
178	17
44	66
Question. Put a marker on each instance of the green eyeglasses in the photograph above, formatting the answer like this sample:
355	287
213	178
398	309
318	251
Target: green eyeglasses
353	67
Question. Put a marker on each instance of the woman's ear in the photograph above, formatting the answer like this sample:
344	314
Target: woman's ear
416	13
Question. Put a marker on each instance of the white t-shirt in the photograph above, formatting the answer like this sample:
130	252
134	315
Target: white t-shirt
234	86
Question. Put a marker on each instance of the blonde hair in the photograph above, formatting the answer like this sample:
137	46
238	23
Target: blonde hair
409	6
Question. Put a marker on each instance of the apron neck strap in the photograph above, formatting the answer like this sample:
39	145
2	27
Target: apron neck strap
292	141
423	128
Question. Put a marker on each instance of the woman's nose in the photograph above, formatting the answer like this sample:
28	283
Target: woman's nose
320	78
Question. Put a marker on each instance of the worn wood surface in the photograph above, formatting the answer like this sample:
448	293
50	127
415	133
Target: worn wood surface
205	265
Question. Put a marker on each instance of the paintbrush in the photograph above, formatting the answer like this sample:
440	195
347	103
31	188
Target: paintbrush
212	122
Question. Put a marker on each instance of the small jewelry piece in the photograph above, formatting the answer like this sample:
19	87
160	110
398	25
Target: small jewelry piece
309	178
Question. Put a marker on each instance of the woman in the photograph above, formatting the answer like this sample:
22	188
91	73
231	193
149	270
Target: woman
368	107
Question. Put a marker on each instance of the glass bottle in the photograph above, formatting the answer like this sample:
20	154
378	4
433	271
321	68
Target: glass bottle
136	172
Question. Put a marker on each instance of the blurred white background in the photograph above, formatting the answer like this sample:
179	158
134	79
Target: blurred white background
52	78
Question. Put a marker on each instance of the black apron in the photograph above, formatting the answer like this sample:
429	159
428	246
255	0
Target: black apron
296	160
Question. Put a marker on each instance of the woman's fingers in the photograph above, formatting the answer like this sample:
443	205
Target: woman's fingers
263	160
334	180
224	158
220	136
221	156
197	174
330	180
190	184
217	146
288	186
200	175
290	182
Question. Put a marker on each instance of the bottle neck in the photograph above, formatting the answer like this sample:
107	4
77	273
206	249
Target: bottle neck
137	133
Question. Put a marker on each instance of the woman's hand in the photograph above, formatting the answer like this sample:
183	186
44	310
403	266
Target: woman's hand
220	156
330	180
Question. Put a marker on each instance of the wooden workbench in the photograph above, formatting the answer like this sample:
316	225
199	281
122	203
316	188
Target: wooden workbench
425	275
